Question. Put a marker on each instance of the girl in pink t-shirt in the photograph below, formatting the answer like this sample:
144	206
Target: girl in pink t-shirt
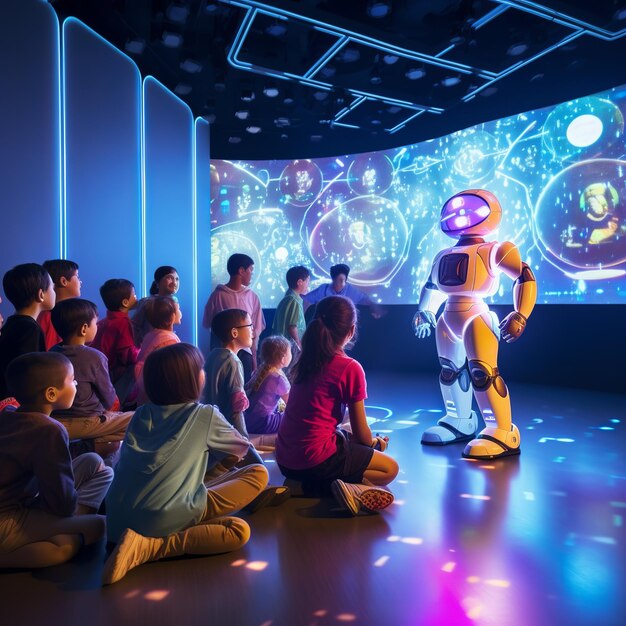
310	447
162	312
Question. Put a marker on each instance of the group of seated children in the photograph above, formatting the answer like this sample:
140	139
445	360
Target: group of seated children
184	465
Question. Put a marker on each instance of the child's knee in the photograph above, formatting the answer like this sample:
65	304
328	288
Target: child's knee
90	463
393	468
240	532
259	474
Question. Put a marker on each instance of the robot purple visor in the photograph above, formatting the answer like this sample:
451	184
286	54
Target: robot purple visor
463	211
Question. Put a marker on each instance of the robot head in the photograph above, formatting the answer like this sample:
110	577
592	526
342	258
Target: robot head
474	212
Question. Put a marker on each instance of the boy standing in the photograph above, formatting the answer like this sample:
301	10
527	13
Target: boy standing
115	334
89	417
236	294
30	290
64	275
289	319
45	497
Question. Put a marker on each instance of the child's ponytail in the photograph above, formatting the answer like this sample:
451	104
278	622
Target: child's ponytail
325	335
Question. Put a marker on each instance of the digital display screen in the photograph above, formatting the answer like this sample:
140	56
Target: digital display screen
558	172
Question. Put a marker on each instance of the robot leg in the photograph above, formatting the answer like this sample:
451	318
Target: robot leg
500	437
460	422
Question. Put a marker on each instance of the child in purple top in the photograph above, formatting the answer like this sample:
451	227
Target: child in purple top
90	415
311	447
268	389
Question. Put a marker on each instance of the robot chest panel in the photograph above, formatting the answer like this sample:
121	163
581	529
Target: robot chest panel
462	271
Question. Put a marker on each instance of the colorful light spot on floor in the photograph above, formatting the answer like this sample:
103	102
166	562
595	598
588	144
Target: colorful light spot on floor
473	607
448	567
157	595
472	580
238	563
381	561
617	521
475	497
529	495
608	541
413	541
407	422
257	566
346	617
393	538
132	594
496	582
320	613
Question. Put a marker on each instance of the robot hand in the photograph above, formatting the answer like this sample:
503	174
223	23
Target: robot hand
423	321
512	326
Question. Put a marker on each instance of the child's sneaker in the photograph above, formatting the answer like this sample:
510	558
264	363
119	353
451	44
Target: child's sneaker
270	496
361	498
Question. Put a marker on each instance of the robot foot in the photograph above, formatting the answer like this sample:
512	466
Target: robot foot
450	430
493	443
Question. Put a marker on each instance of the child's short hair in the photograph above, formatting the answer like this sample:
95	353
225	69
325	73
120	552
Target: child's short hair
274	348
68	316
22	284
340	268
30	374
60	268
225	321
160	310
114	291
294	274
171	375
235	261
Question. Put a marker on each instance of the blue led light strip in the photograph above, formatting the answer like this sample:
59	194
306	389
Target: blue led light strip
561	18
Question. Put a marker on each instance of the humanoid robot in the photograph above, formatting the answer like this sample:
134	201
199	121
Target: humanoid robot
467	332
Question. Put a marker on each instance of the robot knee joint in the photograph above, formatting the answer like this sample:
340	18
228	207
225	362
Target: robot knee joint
450	373
483	376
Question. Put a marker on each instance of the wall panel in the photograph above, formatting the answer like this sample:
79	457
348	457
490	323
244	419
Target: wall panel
102	118
169	233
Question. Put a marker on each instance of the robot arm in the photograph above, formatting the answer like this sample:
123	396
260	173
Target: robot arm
508	260
431	298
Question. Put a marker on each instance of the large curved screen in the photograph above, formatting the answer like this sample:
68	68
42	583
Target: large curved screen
558	172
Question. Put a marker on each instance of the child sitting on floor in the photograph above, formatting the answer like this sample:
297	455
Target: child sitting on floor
29	288
162	313
310	447
46	499
90	416
115	334
158	505
268	389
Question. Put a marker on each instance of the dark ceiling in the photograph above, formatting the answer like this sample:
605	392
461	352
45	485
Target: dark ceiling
312	78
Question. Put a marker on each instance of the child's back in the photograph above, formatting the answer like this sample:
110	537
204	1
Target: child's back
94	391
20	334
224	385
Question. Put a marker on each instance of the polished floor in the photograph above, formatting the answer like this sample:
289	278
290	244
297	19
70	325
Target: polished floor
533	540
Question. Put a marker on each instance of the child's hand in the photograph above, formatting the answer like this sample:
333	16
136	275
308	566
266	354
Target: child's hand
380	443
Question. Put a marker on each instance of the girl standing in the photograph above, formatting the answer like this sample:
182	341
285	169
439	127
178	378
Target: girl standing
268	389
166	283
310	447
158	505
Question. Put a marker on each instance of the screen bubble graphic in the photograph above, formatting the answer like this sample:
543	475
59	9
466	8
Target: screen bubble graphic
368	233
301	182
583	128
580	217
471	157
370	174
